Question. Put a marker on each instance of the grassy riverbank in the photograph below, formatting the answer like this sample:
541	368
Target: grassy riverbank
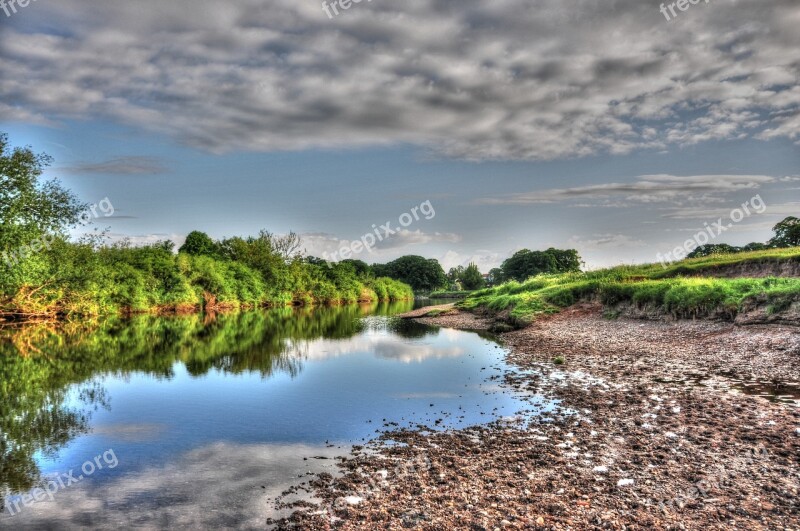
69	279
687	289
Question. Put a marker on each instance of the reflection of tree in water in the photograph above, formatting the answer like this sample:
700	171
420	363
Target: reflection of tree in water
41	365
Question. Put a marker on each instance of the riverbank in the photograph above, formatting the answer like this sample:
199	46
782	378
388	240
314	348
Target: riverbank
654	432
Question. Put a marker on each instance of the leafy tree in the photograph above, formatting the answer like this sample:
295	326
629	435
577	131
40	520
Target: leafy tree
525	263
28	208
495	277
361	268
422	274
755	246
199	244
787	233
567	260
471	278
454	275
713	248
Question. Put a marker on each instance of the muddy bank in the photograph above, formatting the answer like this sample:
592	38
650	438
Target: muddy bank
654	432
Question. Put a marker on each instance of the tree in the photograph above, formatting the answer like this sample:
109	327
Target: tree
471	278
713	248
567	260
287	246
30	209
525	263
495	277
361	268
787	233
199	244
755	246
420	273
455	273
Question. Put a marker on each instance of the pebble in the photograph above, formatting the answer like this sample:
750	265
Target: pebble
600	469
624	482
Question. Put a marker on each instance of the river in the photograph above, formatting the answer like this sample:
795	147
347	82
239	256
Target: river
201	421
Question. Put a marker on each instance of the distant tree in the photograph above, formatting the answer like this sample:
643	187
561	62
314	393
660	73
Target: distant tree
288	246
495	277
315	260
567	260
199	244
526	263
455	273
713	248
471	278
755	246
787	233
361	268
422	274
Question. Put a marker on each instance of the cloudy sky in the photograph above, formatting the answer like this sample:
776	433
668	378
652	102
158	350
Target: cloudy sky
597	125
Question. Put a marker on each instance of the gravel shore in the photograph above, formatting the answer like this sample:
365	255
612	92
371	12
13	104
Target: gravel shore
661	426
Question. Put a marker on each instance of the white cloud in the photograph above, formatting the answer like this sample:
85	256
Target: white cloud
484	259
320	244
468	78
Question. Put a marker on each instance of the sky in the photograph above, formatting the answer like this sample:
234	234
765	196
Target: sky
597	125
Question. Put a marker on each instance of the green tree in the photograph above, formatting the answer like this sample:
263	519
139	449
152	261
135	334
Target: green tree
199	244
30	209
567	260
471	278
713	248
422	274
525	263
361	268
495	277
755	246
787	233
455	273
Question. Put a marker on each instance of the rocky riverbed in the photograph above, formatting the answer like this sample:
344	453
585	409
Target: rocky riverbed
661	425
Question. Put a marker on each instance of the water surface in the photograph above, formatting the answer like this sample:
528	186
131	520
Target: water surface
205	418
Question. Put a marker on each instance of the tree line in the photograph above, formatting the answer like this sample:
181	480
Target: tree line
787	234
55	276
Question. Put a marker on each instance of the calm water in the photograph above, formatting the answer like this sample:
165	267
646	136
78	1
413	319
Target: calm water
197	422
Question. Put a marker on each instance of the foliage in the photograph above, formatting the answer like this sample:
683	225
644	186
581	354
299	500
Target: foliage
471	278
56	277
668	290
526	263
199	244
787	233
422	274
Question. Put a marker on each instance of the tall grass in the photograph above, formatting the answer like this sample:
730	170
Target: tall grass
648	286
80	279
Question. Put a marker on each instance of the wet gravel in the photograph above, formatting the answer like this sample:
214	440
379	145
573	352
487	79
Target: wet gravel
654	432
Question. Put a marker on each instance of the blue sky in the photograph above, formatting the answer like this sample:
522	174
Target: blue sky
608	130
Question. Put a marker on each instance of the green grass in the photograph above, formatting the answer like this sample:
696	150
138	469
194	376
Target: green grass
450	294
684	290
